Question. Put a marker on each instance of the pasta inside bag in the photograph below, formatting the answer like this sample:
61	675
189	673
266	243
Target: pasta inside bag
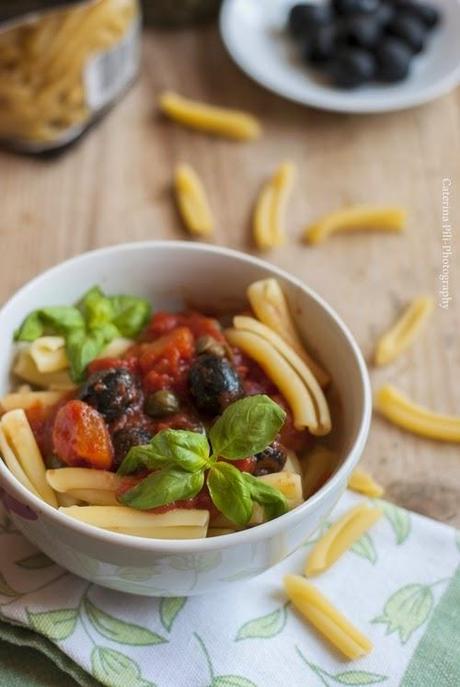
62	65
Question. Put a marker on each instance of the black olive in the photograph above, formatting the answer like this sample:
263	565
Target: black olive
428	14
126	438
384	13
303	18
214	383
271	459
361	30
352	67
320	45
161	404
355	6
409	29
111	392
393	60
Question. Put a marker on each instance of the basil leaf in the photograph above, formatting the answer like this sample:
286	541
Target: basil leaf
230	493
163	487
82	348
56	319
96	308
246	427
131	314
172	447
273	500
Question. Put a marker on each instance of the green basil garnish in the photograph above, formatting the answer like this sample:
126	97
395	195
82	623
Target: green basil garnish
170	447
163	487
230	493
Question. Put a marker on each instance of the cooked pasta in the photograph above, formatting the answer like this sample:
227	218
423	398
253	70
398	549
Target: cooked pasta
340	537
269	303
402	334
48	354
42	64
399	409
364	483
192	202
269	220
29	399
153	532
214	120
327	619
25	368
19	435
14	465
318	465
110	517
116	348
292	463
358	217
70	479
94	497
304	372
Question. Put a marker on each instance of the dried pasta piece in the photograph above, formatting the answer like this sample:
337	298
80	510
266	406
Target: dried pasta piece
49	354
321	407
404	331
281	373
327	619
192	202
214	120
358	217
109	517
318	466
269	303
14	465
399	409
29	399
70	479
340	537
268	223
19	435
364	483
94	497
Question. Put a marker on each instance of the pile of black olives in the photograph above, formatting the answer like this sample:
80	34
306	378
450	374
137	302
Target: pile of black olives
357	41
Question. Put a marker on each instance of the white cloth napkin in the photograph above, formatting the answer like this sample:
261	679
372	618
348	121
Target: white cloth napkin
400	585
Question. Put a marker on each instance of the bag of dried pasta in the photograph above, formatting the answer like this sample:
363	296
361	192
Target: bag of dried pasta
62	65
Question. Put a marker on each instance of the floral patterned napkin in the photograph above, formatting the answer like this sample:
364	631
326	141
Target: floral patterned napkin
400	584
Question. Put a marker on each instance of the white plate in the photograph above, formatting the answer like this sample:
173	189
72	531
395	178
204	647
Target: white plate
255	36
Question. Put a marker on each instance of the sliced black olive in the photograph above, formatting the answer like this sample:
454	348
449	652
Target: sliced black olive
161	404
214	383
271	459
409	29
304	18
320	46
384	13
393	60
127	438
428	14
360	30
352	67
111	392
208	344
344	7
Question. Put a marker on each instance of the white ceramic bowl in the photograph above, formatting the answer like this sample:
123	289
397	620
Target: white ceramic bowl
167	273
254	34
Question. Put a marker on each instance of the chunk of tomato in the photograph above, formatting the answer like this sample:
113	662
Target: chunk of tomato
80	436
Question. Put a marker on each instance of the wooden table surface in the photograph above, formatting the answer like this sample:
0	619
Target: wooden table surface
115	186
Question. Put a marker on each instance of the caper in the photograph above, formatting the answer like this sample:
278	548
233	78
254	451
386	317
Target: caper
207	344
161	404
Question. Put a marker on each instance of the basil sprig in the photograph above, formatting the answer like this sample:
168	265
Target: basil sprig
180	460
89	326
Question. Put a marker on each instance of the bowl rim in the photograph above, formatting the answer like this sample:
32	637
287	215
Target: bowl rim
247	536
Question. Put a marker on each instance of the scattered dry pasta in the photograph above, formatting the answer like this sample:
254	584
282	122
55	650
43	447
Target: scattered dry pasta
340	537
399	409
364	483
192	202
269	215
404	331
269	303
359	217
327	619
214	120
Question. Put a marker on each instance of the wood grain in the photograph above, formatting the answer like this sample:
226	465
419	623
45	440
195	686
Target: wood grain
115	186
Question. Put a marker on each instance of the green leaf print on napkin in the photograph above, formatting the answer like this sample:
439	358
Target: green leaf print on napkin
119	630
221	680
170	607
347	677
365	548
57	625
398	518
406	610
115	669
37	561
265	627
